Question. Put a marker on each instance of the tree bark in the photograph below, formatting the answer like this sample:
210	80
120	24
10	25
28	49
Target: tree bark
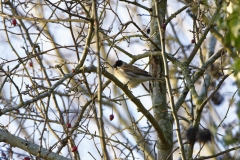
158	90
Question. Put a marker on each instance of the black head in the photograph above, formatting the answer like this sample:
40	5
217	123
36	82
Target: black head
118	63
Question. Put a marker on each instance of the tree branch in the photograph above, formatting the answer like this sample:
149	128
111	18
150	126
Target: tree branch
28	146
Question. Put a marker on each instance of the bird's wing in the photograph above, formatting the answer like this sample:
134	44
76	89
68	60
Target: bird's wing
134	71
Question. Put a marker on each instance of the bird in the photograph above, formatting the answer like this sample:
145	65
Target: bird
132	75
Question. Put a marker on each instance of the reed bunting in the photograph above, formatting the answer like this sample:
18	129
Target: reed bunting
131	75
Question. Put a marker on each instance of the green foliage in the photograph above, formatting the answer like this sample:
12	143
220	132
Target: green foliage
230	139
233	27
237	65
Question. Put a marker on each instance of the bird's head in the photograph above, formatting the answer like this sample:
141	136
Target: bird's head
118	63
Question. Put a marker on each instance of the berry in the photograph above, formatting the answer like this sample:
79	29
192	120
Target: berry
111	117
30	64
193	41
3	154
69	125
26	158
163	26
14	22
74	149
